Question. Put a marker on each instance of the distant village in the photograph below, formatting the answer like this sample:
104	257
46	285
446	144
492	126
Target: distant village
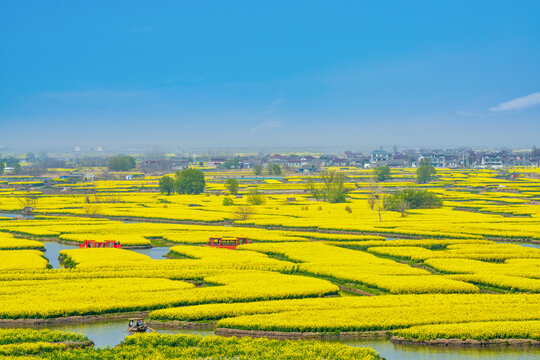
451	158
159	162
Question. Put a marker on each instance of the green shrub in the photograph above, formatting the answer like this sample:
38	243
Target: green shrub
415	199
228	201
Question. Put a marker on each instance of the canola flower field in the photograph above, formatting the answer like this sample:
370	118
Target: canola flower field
446	273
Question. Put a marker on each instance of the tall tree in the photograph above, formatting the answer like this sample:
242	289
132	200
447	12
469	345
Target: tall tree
425	171
232	186
257	170
332	188
189	181
274	169
166	185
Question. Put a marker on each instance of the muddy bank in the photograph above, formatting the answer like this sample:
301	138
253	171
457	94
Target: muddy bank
465	342
72	319
77	344
357	291
281	335
176	324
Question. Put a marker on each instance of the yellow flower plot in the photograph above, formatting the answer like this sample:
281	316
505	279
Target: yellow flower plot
484	330
22	260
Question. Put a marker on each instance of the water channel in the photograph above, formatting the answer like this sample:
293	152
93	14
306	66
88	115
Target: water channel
111	332
17	216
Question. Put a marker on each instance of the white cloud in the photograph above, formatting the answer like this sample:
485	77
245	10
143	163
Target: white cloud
266	126
519	103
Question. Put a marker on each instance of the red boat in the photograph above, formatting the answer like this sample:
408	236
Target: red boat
100	244
228	243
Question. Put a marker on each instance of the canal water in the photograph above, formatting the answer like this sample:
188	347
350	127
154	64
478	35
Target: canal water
392	351
155	253
52	250
111	332
16	216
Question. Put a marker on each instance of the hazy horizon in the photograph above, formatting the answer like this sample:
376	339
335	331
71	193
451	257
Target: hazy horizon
342	75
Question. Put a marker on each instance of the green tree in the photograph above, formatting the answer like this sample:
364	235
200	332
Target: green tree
2	166
227	201
274	169
189	181
402	206
257	170
121	163
381	173
425	171
230	164
332	189
412	199
232	186
13	163
166	185
255	197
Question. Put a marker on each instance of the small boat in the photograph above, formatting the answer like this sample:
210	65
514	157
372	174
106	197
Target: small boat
137	325
228	242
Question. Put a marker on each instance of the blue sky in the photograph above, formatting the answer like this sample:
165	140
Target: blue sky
270	73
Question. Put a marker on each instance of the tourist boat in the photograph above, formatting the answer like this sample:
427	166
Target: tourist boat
228	243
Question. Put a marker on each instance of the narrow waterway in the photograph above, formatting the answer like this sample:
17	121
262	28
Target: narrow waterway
16	216
52	251
155	253
391	351
536	246
110	333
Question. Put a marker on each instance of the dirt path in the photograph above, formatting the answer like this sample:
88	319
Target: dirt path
280	335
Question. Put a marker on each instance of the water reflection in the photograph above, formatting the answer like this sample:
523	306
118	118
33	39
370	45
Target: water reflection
392	351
